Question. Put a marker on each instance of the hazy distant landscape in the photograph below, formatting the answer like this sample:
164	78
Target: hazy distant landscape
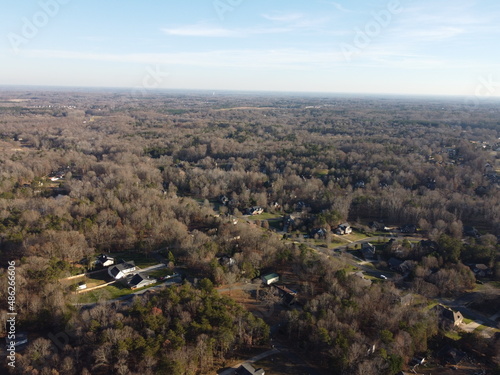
378	215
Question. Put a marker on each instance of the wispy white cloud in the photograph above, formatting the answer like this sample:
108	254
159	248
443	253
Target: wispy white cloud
283	17
203	31
338	6
296	22
283	23
438	21
219	32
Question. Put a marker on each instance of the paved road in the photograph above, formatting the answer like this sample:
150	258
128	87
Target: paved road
151	268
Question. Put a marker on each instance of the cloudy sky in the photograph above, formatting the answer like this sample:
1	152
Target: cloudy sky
366	46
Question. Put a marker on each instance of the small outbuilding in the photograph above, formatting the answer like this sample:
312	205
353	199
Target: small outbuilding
270	278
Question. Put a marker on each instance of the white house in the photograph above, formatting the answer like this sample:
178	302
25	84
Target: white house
121	270
104	260
344	229
139	280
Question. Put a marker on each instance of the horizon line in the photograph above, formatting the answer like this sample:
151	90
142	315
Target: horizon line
233	91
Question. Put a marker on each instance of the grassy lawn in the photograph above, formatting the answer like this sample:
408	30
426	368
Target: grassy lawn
355	236
453	335
161	272
334	244
480	328
431	304
275	223
108	292
278	364
93	282
350	268
265	216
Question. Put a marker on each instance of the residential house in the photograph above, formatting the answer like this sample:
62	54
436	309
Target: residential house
344	228
481	270
408	229
319	233
429	246
377	226
275	205
270	278
226	260
368	251
395	264
248	369
471	231
431	183
417	361
288	222
139	280
451	355
407	266
223	200
287	295
256	210
360	184
104	260
300	206
119	271
447	317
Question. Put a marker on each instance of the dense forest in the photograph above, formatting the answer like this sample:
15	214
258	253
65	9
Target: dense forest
85	173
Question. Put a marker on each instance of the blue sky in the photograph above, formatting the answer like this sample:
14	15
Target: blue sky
369	46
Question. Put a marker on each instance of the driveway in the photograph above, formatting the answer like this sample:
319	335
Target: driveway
231	370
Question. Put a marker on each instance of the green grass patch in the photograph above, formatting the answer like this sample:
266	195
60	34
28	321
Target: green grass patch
334	244
431	305
161	272
275	223
265	216
321	172
109	292
350	268
355	236
94	282
455	336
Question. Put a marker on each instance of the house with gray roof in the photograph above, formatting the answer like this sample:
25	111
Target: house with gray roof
121	270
